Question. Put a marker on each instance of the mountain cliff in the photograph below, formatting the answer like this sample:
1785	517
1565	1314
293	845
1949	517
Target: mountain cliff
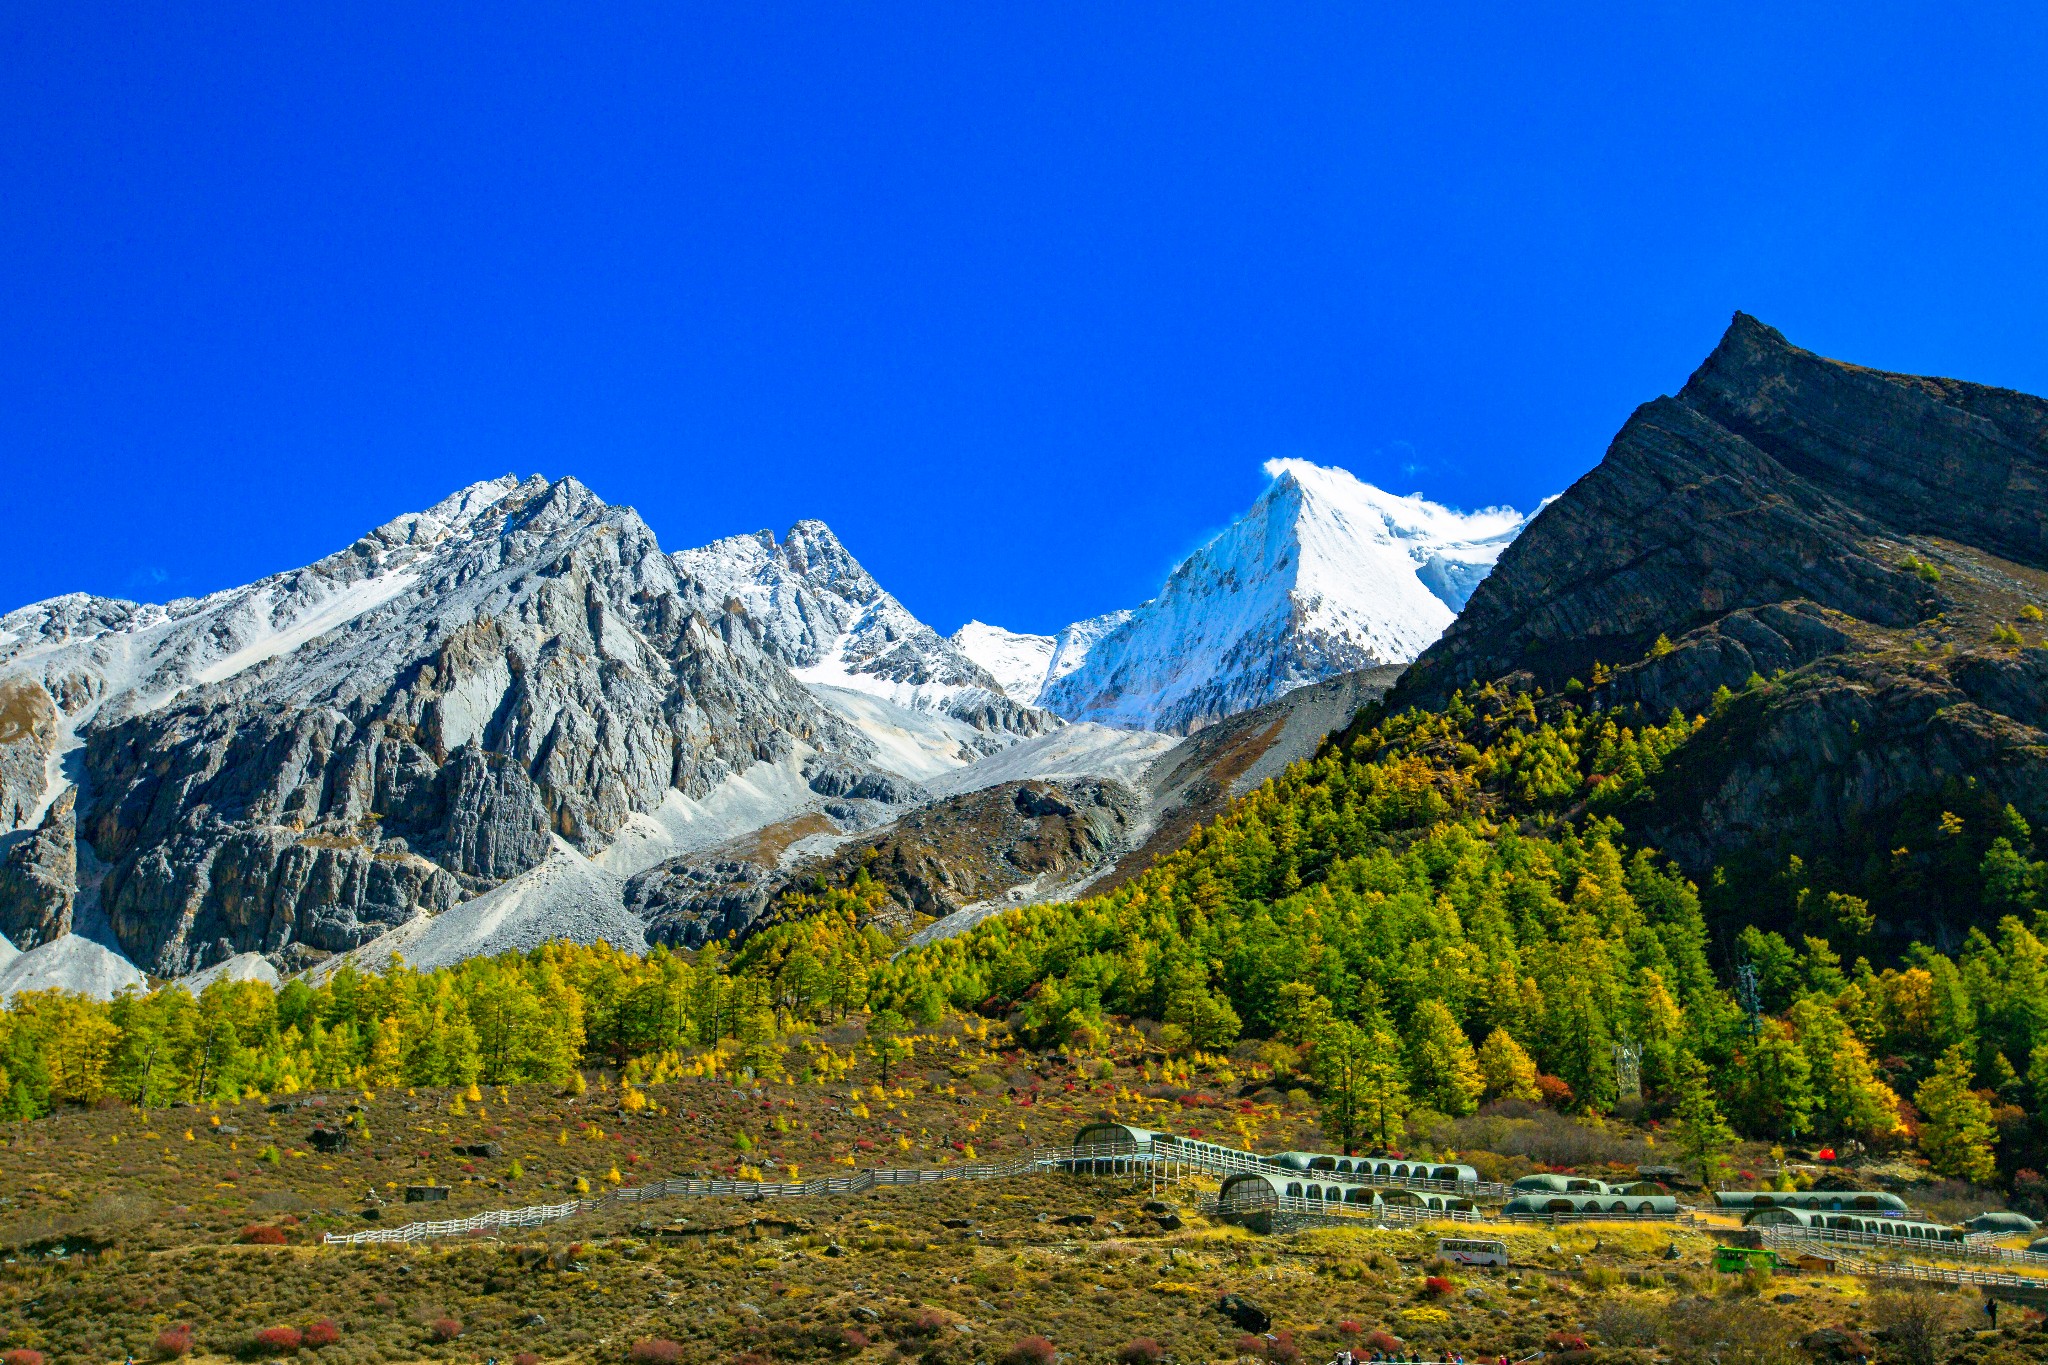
308	761
1860	560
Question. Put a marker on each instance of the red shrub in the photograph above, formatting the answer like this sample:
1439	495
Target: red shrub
1564	1341
1031	1351
1555	1091
1383	1341
1435	1287
1350	1327
864	1144
256	1235
853	1339
1143	1351
279	1340
1249	1345
1281	1350
446	1329
22	1356
173	1342
655	1351
928	1323
322	1333
526	1358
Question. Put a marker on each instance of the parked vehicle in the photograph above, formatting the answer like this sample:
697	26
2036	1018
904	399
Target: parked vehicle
1471	1251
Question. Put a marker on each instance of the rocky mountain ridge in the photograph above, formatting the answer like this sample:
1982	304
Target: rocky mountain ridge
482	724
1861	560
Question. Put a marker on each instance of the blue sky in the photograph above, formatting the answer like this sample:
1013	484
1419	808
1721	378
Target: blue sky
1017	298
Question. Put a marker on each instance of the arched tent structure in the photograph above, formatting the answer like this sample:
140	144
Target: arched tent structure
1248	1191
1376	1167
1551	1183
1880	1224
1542	1203
2001	1223
1819	1201
1118	1135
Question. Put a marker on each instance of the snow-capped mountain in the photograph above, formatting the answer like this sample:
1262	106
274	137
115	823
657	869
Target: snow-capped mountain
513	716
1323	575
818	611
1026	665
516	675
511	702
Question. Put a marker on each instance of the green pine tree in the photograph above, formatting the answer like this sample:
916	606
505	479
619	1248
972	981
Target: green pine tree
1956	1133
1703	1135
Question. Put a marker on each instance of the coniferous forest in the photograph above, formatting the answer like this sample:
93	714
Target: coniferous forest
1438	910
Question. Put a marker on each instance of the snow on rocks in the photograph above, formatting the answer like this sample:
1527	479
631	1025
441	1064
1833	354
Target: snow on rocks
1324	575
566	897
71	963
240	967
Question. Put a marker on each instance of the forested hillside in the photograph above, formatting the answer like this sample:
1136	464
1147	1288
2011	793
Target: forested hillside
1437	911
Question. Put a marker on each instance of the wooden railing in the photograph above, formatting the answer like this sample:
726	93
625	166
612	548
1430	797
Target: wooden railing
537	1214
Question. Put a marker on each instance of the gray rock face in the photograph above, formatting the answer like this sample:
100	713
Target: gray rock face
812	606
934	860
687	903
39	879
1869	541
28	734
305	763
1774	476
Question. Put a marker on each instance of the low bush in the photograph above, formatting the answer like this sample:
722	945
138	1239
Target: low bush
1383	1341
278	1341
173	1342
262	1235
446	1329
1281	1350
1350	1327
21	1356
1564	1341
1031	1351
322	1333
1435	1287
853	1339
525	1358
1143	1351
655	1351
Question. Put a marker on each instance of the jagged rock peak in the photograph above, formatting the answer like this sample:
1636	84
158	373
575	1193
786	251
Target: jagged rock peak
813	606
1775	475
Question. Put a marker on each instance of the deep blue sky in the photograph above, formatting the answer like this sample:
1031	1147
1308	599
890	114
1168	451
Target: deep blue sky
1018	300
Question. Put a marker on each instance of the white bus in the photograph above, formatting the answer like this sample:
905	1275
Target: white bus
1470	1252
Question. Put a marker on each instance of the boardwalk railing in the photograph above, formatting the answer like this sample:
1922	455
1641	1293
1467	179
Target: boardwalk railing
1096	1158
1962	1250
537	1214
1594	1216
1908	1270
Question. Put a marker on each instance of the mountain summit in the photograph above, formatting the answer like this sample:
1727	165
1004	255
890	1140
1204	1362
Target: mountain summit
1324	574
1842	573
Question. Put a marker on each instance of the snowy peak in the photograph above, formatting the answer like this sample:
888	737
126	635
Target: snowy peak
1324	574
812	605
1026	665
1015	660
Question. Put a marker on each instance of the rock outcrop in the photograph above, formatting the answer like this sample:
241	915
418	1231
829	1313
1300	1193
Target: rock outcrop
39	879
296	767
1875	545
